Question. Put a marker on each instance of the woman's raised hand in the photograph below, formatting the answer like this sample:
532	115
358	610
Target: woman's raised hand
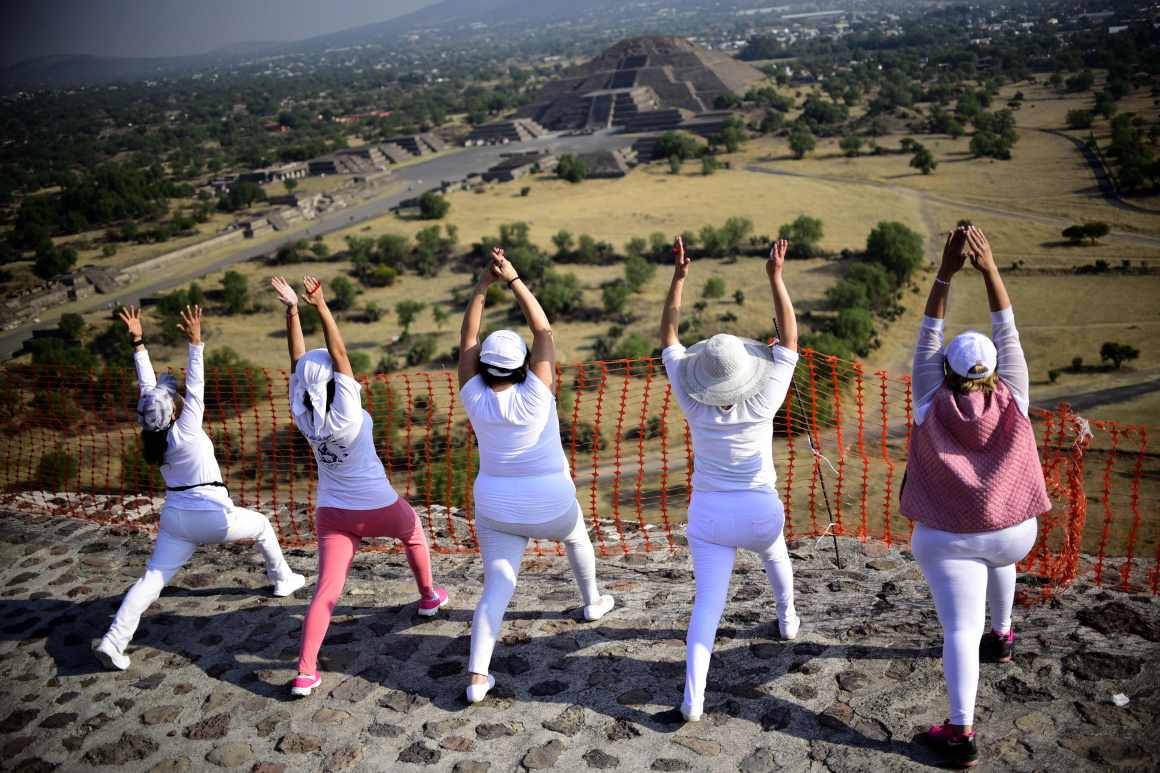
285	292
190	324
681	261
979	250
501	267
313	294
131	316
776	261
954	254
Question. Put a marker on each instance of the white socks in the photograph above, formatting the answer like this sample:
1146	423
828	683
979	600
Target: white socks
477	692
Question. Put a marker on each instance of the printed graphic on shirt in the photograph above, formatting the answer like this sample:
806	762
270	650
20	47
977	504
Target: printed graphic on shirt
331	453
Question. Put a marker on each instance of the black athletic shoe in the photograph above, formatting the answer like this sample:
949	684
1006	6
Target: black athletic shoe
997	647
958	750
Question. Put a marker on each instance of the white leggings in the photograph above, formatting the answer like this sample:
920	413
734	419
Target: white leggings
719	523
501	546
179	534
968	573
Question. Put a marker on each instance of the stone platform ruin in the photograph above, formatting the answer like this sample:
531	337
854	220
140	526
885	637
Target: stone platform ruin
207	688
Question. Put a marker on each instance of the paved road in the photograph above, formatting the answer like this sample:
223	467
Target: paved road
419	177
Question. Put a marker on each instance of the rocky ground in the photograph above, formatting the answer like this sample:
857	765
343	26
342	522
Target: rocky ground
207	688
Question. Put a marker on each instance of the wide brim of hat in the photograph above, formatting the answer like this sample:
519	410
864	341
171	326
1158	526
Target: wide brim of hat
699	386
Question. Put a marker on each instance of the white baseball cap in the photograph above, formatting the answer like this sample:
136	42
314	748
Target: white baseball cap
503	349
972	355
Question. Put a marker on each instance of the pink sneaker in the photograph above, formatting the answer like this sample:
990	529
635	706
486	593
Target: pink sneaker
956	749
428	607
302	686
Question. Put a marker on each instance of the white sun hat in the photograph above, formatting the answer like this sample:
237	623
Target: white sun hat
503	350
726	369
972	355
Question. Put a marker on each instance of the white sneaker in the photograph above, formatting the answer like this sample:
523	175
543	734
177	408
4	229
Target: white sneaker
789	630
302	686
688	713
109	656
477	692
594	612
289	585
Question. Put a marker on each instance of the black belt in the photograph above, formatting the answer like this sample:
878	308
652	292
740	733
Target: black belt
194	485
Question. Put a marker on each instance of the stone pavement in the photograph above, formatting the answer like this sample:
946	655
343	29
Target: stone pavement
207	688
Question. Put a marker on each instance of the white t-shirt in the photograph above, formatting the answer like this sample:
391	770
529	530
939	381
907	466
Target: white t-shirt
733	450
189	457
523	472
350	473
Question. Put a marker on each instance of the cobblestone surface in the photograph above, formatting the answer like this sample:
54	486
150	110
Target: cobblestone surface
207	687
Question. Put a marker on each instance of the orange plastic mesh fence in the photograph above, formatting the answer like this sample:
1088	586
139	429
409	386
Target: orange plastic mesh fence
72	447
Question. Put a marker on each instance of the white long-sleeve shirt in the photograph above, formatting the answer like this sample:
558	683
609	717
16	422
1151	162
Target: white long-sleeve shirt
1011	364
189	458
350	474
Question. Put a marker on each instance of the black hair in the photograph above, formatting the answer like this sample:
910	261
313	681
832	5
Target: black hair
154	443
516	376
329	397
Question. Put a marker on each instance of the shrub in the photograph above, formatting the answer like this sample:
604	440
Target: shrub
231	382
739	297
855	326
615	296
524	191
373	312
320	250
360	362
57	470
638	272
634	346
563	242
378	276
873	277
235	292
588	438
1079	119
342	294
559	294
803	235
714	288
850	145
828	344
308	318
847	294
421	351
433	206
571	168
896	247
71	326
923	160
52	261
1092	231
678	144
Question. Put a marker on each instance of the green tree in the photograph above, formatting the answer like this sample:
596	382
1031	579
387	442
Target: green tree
563	242
896	247
71	327
235	292
854	325
1118	353
674	164
320	250
804	235
739	297
874	279
851	145
433	206
559	294
1079	119
407	311
571	168
52	261
680	144
360	362
343	294
638	272
923	160
634	346
801	141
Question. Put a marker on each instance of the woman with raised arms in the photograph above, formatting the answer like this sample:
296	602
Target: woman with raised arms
355	499
730	389
198	509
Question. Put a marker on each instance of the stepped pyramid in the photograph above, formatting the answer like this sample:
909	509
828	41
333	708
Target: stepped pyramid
641	81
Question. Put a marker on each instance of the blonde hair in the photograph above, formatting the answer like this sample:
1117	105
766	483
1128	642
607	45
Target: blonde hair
964	386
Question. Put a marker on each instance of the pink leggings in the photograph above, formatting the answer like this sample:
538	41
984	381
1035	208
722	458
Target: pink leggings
339	534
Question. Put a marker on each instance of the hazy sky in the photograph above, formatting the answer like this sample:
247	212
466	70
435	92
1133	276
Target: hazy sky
31	28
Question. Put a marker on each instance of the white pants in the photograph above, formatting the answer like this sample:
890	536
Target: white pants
719	523
179	534
501	546
968	573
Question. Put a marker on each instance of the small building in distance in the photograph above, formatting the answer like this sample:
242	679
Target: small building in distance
503	132
272	174
517	165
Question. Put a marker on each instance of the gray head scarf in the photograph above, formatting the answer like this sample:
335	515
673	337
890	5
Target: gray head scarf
156	407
